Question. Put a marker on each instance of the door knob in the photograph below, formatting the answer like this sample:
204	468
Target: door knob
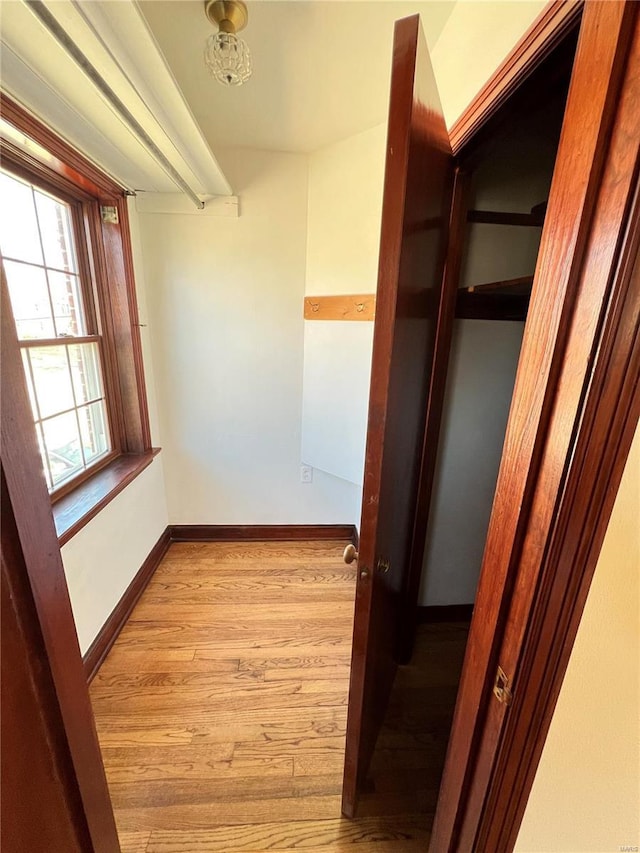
350	554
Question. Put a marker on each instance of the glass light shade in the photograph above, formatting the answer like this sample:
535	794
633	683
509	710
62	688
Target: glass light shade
228	59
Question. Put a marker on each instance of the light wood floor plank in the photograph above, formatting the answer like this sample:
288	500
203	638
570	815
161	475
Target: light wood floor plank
311	835
215	813
221	709
134	842
185	842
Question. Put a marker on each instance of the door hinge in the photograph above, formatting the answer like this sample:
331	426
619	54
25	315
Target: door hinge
109	214
502	687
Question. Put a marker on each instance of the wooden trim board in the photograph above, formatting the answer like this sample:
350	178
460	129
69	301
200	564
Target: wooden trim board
607	409
108	634
259	532
76	509
361	306
552	25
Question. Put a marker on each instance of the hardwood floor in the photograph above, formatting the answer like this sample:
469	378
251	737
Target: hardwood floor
221	710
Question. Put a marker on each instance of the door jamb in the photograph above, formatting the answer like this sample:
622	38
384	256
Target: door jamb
555	21
492	798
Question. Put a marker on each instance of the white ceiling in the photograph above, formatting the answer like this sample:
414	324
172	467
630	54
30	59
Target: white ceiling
320	68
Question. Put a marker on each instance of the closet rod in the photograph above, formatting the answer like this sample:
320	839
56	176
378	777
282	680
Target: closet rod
62	37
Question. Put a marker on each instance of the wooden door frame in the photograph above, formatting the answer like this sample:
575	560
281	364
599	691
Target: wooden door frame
35	552
553	24
573	416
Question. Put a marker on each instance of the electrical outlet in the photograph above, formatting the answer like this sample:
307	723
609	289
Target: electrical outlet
306	474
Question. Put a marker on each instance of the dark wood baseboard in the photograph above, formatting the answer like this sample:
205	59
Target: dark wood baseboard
445	613
261	532
108	634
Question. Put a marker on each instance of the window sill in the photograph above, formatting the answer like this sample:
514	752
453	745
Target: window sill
76	509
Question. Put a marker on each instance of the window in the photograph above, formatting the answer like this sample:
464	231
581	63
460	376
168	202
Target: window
67	262
57	328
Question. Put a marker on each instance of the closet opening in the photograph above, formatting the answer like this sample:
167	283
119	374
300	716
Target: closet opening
509	168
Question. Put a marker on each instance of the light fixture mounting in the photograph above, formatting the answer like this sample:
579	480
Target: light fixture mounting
226	56
231	16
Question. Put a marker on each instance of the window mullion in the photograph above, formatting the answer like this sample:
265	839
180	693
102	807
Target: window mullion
75	408
44	260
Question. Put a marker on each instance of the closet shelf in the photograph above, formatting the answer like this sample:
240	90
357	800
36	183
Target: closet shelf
496	300
496	305
512	286
497	217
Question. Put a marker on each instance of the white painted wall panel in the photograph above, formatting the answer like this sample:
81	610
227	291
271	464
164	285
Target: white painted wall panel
225	298
102	559
337	366
589	763
345	209
482	368
476	38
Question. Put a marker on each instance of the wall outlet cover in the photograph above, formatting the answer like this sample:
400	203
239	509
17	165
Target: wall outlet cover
306	474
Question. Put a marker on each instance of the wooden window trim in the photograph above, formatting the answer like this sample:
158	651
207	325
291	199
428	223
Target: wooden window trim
75	509
106	261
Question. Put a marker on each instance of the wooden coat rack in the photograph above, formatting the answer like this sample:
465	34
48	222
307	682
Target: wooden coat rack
360	306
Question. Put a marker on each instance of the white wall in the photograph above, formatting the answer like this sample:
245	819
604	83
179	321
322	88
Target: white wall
102	559
587	789
225	301
344	213
484	356
477	37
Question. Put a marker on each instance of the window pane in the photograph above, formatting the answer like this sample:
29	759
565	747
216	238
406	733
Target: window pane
85	369
52	379
94	431
56	234
29	300
64	377
67	303
63	446
19	236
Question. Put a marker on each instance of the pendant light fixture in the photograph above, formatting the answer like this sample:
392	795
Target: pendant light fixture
226	56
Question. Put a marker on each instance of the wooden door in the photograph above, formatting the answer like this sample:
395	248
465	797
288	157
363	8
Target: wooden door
415	219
